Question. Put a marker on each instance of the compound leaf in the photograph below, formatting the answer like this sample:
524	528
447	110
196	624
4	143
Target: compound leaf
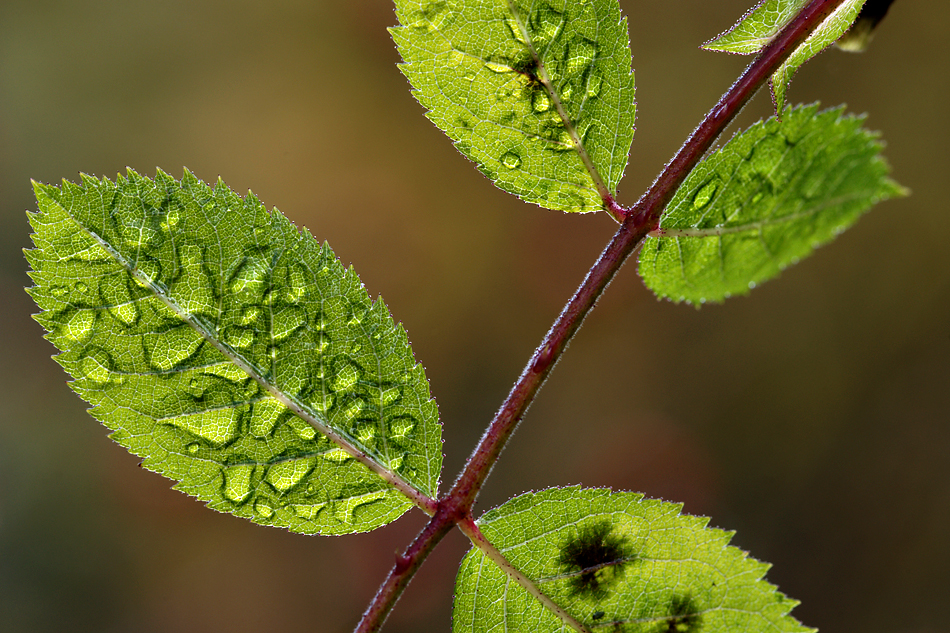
766	199
539	94
233	353
758	27
613	561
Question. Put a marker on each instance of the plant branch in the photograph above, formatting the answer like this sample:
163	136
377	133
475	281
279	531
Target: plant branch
643	217
455	506
403	570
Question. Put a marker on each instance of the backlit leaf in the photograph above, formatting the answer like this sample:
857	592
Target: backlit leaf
614	561
539	94
766	199
754	31
196	323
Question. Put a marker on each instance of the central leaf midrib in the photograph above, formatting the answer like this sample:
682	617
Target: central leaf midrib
545	80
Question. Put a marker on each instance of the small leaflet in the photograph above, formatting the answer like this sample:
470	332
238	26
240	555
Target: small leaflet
760	26
540	94
765	200
614	561
206	331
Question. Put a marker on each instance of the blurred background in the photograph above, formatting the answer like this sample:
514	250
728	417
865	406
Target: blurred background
812	417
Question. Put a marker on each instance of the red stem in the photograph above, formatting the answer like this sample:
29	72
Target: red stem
638	221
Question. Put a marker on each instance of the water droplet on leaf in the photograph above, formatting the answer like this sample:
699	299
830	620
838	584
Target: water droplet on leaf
540	102
263	509
705	194
237	482
511	160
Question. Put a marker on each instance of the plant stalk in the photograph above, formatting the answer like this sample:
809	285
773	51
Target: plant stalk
455	506
639	220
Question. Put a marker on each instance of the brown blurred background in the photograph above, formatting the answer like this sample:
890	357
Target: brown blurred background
810	417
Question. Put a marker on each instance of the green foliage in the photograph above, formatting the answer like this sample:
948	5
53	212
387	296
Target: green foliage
760	26
539	94
766	199
232	352
615	562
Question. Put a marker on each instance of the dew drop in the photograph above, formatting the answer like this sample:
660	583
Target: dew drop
515	30
540	101
389	396
146	272
237	481
353	409
265	415
401	427
97	366
263	510
323	403
705	194
511	160
498	67
345	509
80	325
547	23
59	291
193	448
366	432
285	475
193	289
218	426
593	85
171	219
308	512
285	321
81	287
301	429
337	455
238	337
170	348
564	142
580	55
357	314
250	281
197	387
346	378
396	462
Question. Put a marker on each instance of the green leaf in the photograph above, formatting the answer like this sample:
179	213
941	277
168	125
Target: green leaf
233	353
757	28
613	561
766	199
762	24
539	94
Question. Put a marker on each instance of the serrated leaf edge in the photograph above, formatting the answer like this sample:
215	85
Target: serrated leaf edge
158	289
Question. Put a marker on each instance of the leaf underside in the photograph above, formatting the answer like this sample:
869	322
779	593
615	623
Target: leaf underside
766	199
191	319
614	561
527	90
760	26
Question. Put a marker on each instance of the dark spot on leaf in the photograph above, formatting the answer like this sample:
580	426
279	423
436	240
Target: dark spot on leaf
597	615
594	559
683	617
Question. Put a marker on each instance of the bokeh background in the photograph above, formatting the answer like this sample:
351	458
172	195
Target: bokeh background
811	417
